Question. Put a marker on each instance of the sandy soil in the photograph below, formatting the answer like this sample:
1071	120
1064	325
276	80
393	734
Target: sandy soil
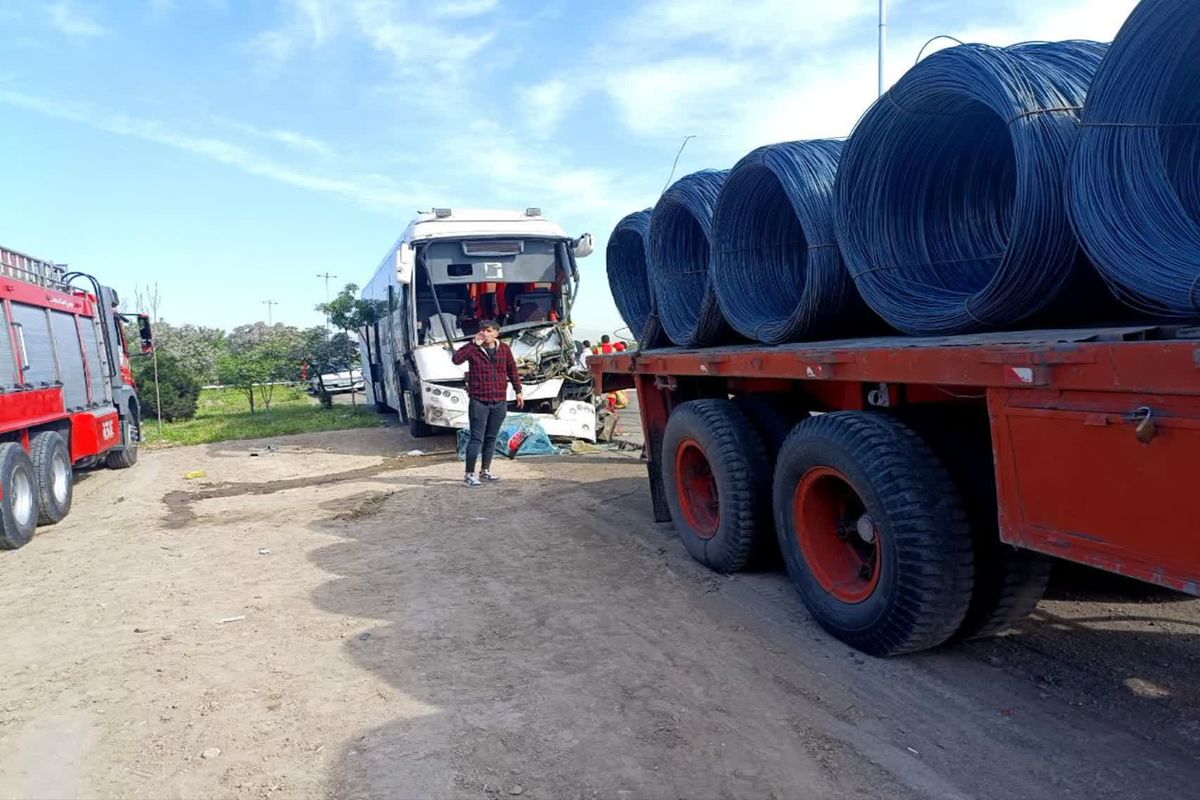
325	619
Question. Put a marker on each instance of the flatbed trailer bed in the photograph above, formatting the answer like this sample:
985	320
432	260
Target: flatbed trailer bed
1093	435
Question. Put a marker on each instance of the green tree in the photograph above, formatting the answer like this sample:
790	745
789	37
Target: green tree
352	314
178	388
259	358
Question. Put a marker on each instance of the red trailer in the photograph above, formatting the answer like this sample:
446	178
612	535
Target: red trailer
915	485
67	397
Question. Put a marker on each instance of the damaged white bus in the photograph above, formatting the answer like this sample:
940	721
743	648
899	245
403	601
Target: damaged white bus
453	269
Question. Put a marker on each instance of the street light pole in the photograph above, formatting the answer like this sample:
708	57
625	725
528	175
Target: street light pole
268	304
883	25
326	276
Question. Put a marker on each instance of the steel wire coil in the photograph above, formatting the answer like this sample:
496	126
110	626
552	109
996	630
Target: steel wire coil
680	233
776	267
950	203
627	258
1134	186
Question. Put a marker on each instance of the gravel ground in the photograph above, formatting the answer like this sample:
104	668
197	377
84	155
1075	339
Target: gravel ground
323	618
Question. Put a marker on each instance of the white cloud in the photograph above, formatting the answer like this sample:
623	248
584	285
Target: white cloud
73	22
545	105
459	9
370	191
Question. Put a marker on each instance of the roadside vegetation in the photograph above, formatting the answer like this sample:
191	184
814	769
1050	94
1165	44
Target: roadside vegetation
224	414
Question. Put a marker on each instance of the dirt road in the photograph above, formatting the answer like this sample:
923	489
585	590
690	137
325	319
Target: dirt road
326	620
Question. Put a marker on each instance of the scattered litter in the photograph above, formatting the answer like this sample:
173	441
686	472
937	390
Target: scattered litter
578	447
415	453
362	637
516	790
913	750
211	752
264	551
141	630
238	618
194	474
1007	712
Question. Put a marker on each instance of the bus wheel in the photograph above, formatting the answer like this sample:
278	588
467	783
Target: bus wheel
55	481
873	533
18	506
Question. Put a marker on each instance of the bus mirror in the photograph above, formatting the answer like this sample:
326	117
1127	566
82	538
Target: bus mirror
583	246
404	263
145	334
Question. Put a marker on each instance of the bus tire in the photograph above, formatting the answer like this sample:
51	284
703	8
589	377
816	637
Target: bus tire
55	480
717	481
873	533
18	506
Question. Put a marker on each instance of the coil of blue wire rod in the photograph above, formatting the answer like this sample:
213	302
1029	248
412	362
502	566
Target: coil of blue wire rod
1135	176
776	267
627	258
950	201
680	231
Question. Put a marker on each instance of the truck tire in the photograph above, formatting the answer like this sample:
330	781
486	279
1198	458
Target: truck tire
55	481
127	456
873	533
717	482
18	505
773	417
1009	582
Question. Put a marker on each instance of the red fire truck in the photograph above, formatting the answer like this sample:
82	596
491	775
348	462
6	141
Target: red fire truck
67	397
915	485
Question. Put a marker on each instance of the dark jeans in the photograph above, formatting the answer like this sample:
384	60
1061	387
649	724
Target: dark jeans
486	419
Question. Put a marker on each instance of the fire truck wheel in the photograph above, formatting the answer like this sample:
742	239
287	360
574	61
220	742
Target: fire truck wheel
873	533
717	482
18	506
55	482
127	456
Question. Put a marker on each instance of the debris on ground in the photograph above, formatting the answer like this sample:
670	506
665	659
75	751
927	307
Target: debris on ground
195	474
238	618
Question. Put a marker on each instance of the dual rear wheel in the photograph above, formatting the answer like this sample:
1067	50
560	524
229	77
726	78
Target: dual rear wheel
870	523
36	487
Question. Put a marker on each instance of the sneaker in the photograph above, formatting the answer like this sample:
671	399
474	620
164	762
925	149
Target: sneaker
487	476
472	480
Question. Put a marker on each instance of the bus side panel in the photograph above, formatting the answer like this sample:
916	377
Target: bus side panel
1083	476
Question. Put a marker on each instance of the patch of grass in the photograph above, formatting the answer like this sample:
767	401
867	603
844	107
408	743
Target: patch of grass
224	414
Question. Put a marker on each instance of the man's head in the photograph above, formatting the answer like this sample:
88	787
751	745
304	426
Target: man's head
489	329
604	339
587	342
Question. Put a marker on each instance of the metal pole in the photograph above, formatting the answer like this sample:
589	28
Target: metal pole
268	304
157	392
882	41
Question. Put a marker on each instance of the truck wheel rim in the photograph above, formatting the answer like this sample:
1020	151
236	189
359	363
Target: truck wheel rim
839	540
697	489
22	496
60	475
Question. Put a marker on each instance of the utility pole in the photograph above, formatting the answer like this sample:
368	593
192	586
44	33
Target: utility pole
326	276
268	304
883	24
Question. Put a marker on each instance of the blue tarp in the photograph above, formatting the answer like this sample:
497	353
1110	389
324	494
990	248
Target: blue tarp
533	442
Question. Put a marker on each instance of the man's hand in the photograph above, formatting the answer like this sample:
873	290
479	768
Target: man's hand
520	400
478	339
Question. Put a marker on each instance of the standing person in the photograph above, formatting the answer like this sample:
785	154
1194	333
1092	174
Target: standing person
606	345
584	352
619	346
490	368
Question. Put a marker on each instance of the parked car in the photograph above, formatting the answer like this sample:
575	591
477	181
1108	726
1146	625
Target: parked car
337	382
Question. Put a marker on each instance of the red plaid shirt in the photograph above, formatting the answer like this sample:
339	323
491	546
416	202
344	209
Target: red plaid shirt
488	374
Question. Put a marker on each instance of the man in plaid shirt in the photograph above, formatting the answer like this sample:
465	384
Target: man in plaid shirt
490	368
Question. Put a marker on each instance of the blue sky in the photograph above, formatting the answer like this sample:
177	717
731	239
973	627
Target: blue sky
231	150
